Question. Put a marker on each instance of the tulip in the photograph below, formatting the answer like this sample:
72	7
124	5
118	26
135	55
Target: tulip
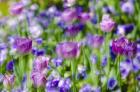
68	15
8	81
38	79
40	64
95	41
68	49
107	24
16	9
23	45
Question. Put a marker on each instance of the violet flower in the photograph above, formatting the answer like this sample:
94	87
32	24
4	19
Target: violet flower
1	78
125	29
84	17
68	15
125	68
52	85
8	80
57	61
118	45
73	30
64	85
104	61
130	50
89	88
16	8
38	78
93	59
112	83
23	45
95	41
10	66
107	24
68	49
40	64
127	7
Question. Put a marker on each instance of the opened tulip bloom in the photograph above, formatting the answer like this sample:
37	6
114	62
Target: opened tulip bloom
23	45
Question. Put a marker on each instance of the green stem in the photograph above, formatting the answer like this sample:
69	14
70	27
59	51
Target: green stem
73	69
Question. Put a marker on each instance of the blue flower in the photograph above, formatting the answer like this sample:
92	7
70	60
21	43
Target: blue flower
104	61
112	83
57	61
10	66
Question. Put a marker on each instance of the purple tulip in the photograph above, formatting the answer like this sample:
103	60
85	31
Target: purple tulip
8	80
118	45
38	78
95	41
16	9
68	49
73	30
40	64
107	24
68	15
23	45
112	83
84	17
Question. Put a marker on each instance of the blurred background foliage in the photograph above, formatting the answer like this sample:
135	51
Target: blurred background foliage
5	4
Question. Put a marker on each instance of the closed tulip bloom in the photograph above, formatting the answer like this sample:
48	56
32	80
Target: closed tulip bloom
38	78
107	24
8	81
40	63
95	41
16	9
73	30
68	15
84	17
68	49
23	45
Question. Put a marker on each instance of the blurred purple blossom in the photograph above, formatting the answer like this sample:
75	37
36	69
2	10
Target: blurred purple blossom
23	45
68	49
124	47
16	8
95	41
38	78
107	24
57	61
8	80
